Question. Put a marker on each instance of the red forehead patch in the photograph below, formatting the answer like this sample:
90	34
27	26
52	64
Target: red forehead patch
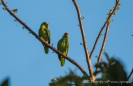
66	34
47	25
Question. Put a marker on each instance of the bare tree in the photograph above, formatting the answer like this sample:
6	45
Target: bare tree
88	54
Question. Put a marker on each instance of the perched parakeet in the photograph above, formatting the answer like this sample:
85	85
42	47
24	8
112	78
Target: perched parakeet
63	46
45	34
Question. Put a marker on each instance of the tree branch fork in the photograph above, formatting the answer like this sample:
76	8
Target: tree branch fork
88	55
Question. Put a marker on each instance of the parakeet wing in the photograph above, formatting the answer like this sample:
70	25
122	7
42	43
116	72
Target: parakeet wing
48	34
45	34
63	46
59	48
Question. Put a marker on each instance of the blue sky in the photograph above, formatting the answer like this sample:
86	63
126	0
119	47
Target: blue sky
22	57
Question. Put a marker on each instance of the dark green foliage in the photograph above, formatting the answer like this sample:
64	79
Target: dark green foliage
69	80
112	74
5	82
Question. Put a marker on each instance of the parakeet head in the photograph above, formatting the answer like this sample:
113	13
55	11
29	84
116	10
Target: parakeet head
66	35
46	24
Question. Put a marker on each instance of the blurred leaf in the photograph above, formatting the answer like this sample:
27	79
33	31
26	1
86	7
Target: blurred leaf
116	72
81	43
113	72
15	20
98	65
82	17
54	80
107	56
111	61
5	82
96	72
23	27
101	65
3	8
96	56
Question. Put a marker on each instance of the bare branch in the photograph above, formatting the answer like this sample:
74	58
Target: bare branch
107	29
43	41
110	15
103	44
83	38
130	75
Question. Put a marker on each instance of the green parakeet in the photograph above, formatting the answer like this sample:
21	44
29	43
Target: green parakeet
45	34
63	46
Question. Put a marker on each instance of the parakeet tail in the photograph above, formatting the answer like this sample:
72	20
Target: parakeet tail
62	61
46	49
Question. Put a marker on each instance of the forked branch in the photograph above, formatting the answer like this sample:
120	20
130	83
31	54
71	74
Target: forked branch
106	33
109	17
103	44
84	39
43	41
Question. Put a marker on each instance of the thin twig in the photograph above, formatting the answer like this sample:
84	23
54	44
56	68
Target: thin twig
103	44
113	12
130	75
106	33
83	38
43	41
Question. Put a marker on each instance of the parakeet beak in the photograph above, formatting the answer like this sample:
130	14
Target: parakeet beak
47	25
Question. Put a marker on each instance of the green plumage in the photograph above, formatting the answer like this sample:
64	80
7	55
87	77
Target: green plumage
63	46
45	34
